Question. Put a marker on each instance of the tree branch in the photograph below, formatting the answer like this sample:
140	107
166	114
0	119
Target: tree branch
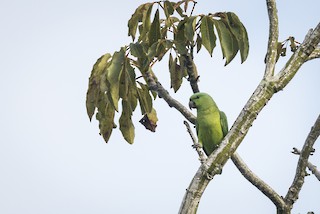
257	182
293	192
163	93
310	166
192	73
271	57
301	55
195	145
315	54
241	126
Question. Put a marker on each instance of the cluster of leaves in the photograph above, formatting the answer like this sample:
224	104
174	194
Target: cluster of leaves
114	77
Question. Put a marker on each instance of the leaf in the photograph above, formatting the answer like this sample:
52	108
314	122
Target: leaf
125	121
179	37
146	23
154	33
207	34
176	74
144	97
105	116
113	76
136	49
149	120
94	84
240	33
137	17
199	43
127	80
168	8
229	44
190	27
179	9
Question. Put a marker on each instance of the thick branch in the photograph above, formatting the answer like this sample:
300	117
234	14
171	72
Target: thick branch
232	140
163	93
298	181
315	54
298	58
257	182
271	56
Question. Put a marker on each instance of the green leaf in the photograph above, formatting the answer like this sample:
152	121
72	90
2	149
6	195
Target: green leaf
168	8
125	121
179	9
136	49
190	27
154	33
199	43
207	34
180	40
240	33
229	44
176	74
94	84
137	17
113	76
145	99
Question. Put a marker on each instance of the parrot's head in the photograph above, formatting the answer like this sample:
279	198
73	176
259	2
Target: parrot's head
201	101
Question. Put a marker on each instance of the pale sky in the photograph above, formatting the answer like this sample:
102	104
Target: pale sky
52	159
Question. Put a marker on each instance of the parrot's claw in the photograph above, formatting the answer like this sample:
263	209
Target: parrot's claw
209	176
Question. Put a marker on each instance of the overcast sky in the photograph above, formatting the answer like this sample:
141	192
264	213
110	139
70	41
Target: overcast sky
52	159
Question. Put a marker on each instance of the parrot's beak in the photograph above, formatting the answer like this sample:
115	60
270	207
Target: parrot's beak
192	104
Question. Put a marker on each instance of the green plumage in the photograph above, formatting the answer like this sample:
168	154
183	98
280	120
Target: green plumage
211	123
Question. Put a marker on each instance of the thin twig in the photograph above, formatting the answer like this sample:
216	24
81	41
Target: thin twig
196	144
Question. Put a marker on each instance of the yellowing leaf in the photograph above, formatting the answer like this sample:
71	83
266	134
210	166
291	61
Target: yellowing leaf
94	84
105	116
207	34
144	97
137	17
113	76
125	121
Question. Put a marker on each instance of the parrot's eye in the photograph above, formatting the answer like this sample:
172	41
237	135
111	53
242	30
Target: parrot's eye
197	97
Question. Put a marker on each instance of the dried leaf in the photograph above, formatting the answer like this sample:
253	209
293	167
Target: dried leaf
149	120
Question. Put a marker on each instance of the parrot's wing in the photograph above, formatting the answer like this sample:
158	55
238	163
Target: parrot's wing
224	123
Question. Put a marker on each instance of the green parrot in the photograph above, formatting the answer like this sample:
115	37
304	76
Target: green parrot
211	123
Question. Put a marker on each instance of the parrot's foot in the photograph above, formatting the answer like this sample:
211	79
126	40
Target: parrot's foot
209	176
